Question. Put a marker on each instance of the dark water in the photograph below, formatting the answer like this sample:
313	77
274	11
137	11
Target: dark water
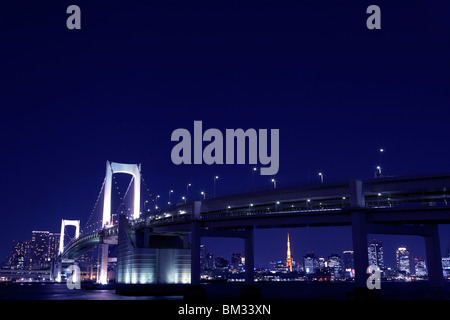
56	291
224	291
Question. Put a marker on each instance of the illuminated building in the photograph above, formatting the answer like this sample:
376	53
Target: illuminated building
446	266
420	267
311	263
39	249
402	258
20	257
237	261
53	245
203	265
281	267
347	257
335	267
221	263
322	263
376	256
209	261
289	259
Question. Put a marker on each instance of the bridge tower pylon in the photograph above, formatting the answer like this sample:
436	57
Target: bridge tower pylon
64	223
111	168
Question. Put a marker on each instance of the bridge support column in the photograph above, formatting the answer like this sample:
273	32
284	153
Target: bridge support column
249	257
103	274
58	267
360	255
434	259
359	233
195	253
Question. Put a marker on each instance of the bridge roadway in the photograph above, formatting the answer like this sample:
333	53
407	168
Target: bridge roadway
392	205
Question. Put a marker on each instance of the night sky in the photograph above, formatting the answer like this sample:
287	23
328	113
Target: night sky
137	70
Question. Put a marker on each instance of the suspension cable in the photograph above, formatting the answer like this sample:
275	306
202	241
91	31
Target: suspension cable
95	205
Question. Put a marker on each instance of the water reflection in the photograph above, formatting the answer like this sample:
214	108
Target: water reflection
56	291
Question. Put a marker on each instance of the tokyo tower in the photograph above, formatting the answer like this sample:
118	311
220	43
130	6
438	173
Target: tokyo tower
289	259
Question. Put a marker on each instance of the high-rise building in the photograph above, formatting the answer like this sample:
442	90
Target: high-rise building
376	255
34	253
335	267
20	256
281	267
420	267
209	260
203	263
310	263
347	259
288	258
446	266
322	263
221	263
53	245
237	261
403	260
39	249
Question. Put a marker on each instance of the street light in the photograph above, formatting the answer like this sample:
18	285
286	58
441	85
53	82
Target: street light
184	198
321	177
187	189
378	171
381	164
203	194
215	178
254	169
170	192
274	183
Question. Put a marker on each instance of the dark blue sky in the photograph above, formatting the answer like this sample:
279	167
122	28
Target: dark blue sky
137	70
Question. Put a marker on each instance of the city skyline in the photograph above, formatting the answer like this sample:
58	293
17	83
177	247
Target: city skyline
392	252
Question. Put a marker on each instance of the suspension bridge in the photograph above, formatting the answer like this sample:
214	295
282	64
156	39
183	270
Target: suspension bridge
162	247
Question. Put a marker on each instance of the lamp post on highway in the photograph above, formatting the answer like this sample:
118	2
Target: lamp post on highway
274	183
170	192
321	177
254	169
378	174
187	190
215	178
380	163
203	194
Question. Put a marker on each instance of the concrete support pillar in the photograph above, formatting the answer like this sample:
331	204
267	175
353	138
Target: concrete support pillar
359	233
195	253
434	259
91	274
76	273
360	255
249	257
58	268
103	274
